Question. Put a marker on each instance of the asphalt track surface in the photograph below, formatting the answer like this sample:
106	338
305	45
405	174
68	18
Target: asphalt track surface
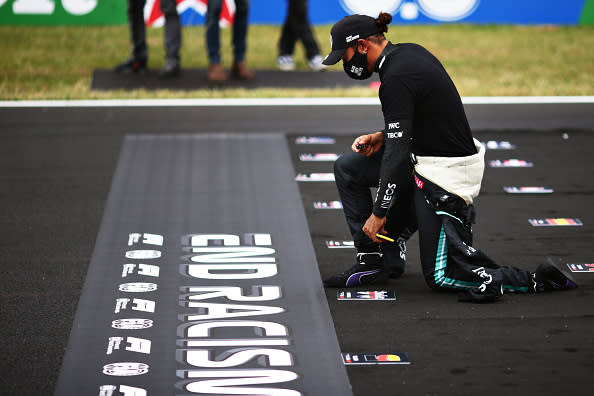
57	168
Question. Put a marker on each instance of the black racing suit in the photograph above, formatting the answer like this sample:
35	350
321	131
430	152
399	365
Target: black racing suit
424	116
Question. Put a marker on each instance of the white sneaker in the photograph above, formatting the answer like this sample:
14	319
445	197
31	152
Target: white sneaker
285	63
315	63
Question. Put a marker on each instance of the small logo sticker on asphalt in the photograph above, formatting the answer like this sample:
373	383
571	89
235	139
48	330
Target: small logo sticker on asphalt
510	163
581	267
384	295
315	140
527	190
375	358
555	222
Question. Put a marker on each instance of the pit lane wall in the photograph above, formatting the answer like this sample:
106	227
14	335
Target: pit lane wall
110	12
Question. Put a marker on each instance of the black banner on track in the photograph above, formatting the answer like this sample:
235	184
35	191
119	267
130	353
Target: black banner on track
203	279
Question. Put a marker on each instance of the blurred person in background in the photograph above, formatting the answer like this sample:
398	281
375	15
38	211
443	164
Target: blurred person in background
297	27
172	39
239	70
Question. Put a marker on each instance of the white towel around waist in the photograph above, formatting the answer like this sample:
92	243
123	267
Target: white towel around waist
457	175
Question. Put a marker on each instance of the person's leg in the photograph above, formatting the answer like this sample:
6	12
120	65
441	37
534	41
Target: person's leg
138	58
240	27
137	28
172	35
302	27
448	259
172	38
401	225
216	73
286	44
355	175
213	43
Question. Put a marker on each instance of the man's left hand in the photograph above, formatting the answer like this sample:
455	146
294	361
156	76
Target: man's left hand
375	225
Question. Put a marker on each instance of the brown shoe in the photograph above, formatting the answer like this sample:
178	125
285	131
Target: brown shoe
216	73
241	72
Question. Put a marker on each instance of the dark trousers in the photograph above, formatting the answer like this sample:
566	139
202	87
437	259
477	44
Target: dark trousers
172	35
240	27
445	244
443	220
297	27
355	175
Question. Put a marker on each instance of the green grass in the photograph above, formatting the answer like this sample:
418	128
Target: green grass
483	60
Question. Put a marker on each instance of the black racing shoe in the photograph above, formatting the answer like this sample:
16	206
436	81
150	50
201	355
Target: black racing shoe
550	278
394	257
368	269
170	69
131	65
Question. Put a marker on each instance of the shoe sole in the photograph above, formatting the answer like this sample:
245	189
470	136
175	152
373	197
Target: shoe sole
569	278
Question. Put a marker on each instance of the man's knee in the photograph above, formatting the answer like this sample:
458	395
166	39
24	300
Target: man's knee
344	164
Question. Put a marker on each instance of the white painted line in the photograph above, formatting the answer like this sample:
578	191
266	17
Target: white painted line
281	102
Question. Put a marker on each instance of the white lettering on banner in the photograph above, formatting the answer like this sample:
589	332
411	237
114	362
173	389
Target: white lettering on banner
234	293
203	239
218	311
132	344
107	390
231	271
143	269
232	255
38	7
138	287
201	357
149	239
132	324
143	254
113	343
229	379
47	7
237	342
139	345
270	328
125	369
225	262
139	305
440	10
204	339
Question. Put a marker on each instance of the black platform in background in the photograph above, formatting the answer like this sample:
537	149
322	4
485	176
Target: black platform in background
192	79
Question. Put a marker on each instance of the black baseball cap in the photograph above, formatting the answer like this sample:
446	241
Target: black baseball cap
346	31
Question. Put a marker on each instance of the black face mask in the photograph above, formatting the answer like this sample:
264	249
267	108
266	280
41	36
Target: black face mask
356	68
